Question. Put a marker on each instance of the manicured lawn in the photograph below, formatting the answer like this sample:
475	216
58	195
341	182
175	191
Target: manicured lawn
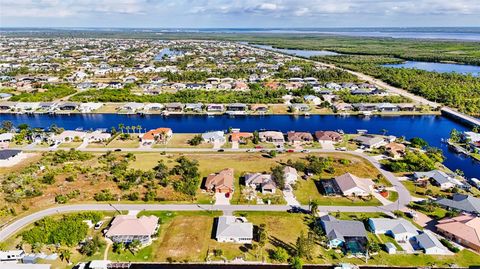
181	141
133	142
387	239
306	191
250	145
392	196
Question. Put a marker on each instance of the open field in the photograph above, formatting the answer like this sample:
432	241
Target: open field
181	141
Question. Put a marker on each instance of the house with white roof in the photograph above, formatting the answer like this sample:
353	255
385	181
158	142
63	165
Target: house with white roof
89	107
11	256
214	137
234	230
259	181
69	136
430	244
400	229
439	178
351	185
6	137
127	228
290	175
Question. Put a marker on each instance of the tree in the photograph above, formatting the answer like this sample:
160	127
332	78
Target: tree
296	263
313	207
280	254
256	138
121	126
262	236
7	125
196	140
128	129
118	247
161	173
455	136
65	254
278	176
91	246
417	142
273	153
134	246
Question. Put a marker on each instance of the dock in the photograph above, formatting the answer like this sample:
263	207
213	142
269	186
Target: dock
464	118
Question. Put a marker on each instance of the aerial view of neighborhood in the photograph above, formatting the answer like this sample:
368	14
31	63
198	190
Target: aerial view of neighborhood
239	134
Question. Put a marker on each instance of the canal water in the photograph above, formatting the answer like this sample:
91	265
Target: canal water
431	128
439	67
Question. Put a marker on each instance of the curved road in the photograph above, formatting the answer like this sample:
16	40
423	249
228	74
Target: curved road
404	198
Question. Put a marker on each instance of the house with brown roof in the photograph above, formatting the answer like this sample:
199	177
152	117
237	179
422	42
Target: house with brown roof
259	181
261	108
351	185
271	136
240	137
221	182
395	150
324	136
159	135
126	229
299	137
463	229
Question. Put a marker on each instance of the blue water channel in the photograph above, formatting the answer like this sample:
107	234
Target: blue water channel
439	67
298	52
430	128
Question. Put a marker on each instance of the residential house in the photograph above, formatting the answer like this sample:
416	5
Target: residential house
237	108
299	107
271	136
5	96
463	229
7	106
221	182
6	137
400	229
132	107
364	107
390	248
127	228
214	137
299	137
261	108
461	202
328	136
349	234
89	107
68	106
174	107
387	107
240	137
69	136
26	106
98	136
312	99
159	135
290	175
259	181
342	107
395	150
234	230
351	185
438	178
430	244
370	141
215	108
197	107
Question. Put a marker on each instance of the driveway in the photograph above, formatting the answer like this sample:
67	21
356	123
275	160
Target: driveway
235	145
290	197
327	145
221	199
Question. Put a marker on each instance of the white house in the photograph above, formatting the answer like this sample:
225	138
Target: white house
290	175
440	178
98	136
6	137
400	229
89	107
69	136
234	229
126	229
264	182
11	256
430	244
351	185
214	137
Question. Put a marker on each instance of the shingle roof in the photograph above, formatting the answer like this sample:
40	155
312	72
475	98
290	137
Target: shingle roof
339	229
8	153
427	240
465	227
131	225
462	202
231	226
348	181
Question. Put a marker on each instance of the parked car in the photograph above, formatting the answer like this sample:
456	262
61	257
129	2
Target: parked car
220	150
98	225
290	150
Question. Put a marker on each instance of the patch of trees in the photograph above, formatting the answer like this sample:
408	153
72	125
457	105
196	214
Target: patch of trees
70	230
49	93
347	97
313	164
62	156
187	176
417	160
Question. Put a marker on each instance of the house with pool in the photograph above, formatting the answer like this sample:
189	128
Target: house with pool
350	235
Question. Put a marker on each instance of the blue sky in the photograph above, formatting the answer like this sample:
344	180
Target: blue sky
238	13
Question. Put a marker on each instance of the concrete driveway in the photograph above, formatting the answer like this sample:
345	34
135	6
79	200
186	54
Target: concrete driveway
290	197
221	199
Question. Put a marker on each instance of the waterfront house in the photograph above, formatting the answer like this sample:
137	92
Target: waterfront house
299	107
462	203
364	107
370	141
26	106
221	182
262	182
215	108
237	108
153	107
430	244
5	96
261	108
400	229
312	99
328	136
290	175
159	135
342	107
351	185
69	136
299	137
174	107
98	136
438	178
127	228
196	107
387	107
395	150
132	107
68	106
463	229
271	136
47	106
7	106
214	137
234	230
240	137
349	234
6	137
89	107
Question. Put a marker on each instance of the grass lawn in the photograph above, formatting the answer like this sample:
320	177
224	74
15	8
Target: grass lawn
250	145
133	142
181	141
392	196
388	239
70	145
306	191
108	108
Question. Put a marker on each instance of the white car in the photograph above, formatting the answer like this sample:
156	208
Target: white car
98	225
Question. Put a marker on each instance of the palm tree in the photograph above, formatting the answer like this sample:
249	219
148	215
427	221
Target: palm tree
139	128
133	247
121	126
128	129
134	128
313	207
65	254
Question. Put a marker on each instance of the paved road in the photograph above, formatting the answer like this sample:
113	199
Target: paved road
403	200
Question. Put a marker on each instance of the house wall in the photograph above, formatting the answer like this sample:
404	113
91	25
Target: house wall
238	240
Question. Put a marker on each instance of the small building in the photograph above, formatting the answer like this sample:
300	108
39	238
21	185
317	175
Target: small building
89	107
262	182
237	107
195	107
221	182
240	137
328	136
68	106
271	136
153	107
6	137
430	244
290	175
300	107
387	107
127	228
261	108
214	137
98	136
400	229
234	230
299	137
351	185
133	107
215	108
390	248
69	136
159	135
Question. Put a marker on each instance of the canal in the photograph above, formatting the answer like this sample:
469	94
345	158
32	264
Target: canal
431	128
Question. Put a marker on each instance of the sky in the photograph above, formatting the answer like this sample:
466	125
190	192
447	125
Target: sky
238	13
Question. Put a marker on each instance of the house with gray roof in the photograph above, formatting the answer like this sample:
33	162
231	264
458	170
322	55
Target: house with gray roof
234	230
430	244
400	229
461	202
370	141
214	137
351	185
439	178
349	234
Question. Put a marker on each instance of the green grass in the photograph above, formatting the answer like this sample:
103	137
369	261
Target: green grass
392	196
